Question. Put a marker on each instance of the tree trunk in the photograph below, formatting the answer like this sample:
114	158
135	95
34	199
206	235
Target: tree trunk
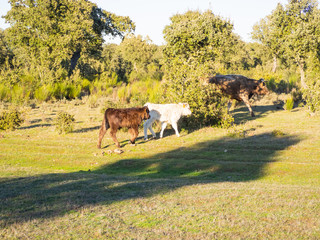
274	68
74	60
302	74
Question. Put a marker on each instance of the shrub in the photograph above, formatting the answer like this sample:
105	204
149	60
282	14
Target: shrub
4	92
278	133
85	85
10	120
64	122
312	96
289	104
44	93
207	104
124	94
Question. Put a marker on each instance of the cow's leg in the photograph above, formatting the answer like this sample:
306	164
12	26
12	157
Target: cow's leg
152	132
114	137
147	125
145	129
175	127
103	130
133	135
163	126
246	101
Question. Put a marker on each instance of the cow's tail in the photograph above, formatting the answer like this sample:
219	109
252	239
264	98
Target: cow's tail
105	123
104	127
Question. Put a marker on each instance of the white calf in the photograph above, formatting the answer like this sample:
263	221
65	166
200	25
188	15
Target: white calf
165	113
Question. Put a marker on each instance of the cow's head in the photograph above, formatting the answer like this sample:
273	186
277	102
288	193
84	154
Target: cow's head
146	112
185	109
261	88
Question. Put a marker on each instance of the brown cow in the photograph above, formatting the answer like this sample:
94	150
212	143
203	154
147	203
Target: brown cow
239	88
129	118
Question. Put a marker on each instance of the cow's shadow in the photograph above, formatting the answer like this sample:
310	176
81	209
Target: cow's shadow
221	160
81	130
241	113
124	142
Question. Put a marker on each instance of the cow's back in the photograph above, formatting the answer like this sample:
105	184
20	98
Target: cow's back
126	117
228	84
164	112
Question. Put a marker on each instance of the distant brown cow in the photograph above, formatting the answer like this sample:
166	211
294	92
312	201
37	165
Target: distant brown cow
239	88
129	118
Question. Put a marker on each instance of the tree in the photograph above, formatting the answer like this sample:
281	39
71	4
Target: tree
291	32
302	32
5	53
198	44
270	32
203	37
49	36
141	53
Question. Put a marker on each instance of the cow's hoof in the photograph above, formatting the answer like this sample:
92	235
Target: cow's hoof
118	151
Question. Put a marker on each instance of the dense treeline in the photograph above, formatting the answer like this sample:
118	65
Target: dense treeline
55	50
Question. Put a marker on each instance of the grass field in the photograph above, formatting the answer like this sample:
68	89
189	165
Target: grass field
257	180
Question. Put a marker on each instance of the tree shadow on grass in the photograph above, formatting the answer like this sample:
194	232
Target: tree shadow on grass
36	126
222	160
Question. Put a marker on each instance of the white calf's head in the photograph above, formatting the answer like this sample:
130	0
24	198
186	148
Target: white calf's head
185	109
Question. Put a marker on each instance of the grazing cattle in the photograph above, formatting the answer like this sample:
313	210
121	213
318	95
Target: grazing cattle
165	113
239	88
129	118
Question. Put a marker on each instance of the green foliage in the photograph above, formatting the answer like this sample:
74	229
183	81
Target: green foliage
124	94
312	95
64	122
48	37
142	56
10	120
201	37
291	33
207	104
196	44
289	104
278	133
57	91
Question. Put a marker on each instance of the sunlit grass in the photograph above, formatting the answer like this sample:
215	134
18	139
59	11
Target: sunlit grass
212	183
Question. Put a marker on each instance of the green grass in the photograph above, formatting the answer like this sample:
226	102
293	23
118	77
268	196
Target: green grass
258	180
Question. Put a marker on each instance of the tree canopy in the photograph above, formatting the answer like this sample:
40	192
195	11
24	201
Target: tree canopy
49	36
291	32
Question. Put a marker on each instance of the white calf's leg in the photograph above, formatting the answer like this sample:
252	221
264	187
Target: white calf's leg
152	132
163	126
175	127
145	128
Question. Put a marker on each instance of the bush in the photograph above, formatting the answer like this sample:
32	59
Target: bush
289	104
207	104
64	122
10	120
312	96
44	93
